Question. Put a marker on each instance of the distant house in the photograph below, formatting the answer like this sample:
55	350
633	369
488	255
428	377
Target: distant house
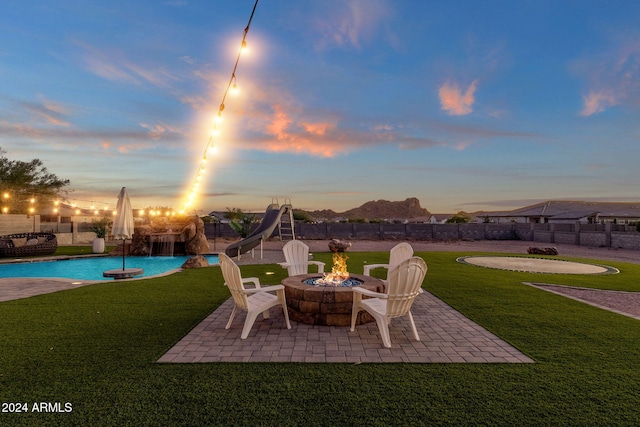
563	211
219	217
416	220
437	218
497	217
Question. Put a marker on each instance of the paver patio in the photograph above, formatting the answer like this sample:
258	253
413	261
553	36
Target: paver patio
446	337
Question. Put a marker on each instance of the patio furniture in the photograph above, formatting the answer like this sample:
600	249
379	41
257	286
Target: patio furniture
397	254
296	255
28	244
402	289
253	301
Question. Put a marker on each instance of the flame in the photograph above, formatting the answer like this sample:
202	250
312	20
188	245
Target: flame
339	271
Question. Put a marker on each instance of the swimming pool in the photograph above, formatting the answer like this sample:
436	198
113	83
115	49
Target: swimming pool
92	268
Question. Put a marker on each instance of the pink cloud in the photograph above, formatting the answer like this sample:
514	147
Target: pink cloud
307	138
454	102
613	76
316	128
596	102
51	112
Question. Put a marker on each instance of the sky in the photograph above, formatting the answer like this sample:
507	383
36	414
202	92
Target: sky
467	105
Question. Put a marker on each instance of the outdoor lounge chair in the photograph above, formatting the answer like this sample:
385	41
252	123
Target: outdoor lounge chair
28	244
397	254
402	289
296	255
253	301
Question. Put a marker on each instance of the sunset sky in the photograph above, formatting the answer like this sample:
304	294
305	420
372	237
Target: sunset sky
466	105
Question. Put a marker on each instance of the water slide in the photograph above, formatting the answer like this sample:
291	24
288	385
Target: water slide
269	223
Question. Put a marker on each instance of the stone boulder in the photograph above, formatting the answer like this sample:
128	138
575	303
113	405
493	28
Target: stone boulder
197	245
337	245
197	261
543	251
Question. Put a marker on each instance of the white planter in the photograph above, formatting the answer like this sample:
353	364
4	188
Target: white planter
98	245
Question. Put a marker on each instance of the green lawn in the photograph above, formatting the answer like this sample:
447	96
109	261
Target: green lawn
95	347
79	250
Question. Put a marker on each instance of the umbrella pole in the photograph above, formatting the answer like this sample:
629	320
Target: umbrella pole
123	254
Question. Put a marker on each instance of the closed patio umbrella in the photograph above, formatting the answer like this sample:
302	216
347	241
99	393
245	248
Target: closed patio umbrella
123	222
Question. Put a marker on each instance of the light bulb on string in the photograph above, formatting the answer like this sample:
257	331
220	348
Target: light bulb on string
233	87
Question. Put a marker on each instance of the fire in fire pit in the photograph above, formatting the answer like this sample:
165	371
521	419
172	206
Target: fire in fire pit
339	275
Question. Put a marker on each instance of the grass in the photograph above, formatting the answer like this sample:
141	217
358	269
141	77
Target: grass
78	250
95	347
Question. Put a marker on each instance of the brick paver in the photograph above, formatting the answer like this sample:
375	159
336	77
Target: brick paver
446	337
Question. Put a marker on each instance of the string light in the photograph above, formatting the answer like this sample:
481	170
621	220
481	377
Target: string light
210	146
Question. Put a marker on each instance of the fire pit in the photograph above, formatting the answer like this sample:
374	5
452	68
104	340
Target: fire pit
326	304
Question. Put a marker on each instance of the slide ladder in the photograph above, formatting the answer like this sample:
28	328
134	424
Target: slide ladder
287	224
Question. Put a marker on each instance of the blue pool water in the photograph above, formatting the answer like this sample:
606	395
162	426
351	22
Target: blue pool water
92	268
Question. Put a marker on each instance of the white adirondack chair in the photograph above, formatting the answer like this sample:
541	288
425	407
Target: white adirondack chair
296	255
253	301
403	287
397	254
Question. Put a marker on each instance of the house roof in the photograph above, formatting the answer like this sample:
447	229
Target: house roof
441	216
575	215
569	208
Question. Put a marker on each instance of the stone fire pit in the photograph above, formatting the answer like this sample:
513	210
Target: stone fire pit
325	305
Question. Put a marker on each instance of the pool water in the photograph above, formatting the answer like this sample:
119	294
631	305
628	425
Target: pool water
92	268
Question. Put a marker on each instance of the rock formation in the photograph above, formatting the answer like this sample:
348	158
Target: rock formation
378	209
188	237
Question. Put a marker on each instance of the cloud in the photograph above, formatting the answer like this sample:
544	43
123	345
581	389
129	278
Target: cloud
113	65
315	138
52	112
454	102
354	23
157	131
597	102
613	76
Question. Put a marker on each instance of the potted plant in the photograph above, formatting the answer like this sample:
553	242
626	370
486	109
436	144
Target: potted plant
101	228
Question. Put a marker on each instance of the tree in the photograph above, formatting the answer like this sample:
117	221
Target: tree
303	216
240	222
27	187
460	218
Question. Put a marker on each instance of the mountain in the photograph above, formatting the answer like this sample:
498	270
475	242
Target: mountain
379	209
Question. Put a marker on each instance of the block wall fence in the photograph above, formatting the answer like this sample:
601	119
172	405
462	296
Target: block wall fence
595	235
